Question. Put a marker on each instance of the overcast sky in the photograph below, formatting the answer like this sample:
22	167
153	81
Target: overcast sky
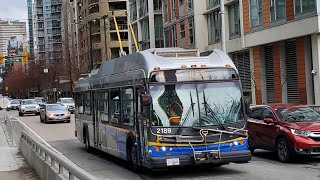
14	9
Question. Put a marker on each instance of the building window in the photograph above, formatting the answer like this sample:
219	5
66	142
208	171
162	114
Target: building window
255	12
173	9
212	3
182	30
174	36
87	103
234	20
158	28
277	9
157	5
190	5
165	10
303	6
214	27
191	31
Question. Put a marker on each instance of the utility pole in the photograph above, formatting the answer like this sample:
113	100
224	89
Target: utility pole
105	35
223	27
90	41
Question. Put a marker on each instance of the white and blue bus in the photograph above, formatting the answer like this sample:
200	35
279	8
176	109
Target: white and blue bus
164	107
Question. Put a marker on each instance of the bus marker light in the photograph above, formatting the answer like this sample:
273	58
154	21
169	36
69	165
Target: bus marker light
203	66
156	68
150	151
234	149
183	66
170	149
157	148
193	66
241	142
236	143
228	66
163	148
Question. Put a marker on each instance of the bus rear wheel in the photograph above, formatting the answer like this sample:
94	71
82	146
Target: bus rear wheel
87	142
132	157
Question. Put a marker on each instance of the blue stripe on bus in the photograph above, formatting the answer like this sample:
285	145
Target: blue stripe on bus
187	150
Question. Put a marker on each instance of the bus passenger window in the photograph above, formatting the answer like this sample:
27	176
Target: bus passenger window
87	103
127	106
115	106
104	106
79	103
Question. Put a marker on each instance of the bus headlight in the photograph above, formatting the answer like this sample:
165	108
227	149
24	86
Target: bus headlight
163	148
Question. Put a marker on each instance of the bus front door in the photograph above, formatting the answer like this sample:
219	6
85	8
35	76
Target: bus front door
96	119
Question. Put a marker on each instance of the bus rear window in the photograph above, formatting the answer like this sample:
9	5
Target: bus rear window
193	75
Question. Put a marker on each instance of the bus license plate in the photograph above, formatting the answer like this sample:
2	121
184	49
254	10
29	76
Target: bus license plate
173	162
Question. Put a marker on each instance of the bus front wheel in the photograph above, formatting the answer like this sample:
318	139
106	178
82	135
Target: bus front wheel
132	157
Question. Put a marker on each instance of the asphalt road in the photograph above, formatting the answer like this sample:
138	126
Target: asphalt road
262	166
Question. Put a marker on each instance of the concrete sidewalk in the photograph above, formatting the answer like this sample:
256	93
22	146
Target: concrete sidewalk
12	165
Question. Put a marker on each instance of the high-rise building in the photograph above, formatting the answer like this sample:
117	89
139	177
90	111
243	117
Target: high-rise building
47	30
147	23
97	15
9	29
30	25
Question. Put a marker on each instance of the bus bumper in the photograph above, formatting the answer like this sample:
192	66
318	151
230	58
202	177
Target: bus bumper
187	160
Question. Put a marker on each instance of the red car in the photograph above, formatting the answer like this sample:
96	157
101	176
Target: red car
285	129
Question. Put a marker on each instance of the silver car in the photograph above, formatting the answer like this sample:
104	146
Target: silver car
54	112
68	103
29	106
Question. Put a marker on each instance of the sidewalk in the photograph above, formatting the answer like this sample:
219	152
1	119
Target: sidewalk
12	165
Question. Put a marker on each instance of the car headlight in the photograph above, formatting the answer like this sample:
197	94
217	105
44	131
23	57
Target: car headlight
9	106
49	115
67	114
300	132
22	107
37	107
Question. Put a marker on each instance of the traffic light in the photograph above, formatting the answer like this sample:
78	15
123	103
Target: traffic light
1	58
25	57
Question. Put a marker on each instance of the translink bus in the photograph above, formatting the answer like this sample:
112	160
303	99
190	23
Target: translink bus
164	107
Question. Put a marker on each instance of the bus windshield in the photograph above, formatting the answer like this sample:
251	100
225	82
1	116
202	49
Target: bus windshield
201	104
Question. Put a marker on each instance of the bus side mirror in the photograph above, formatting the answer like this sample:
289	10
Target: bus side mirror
146	100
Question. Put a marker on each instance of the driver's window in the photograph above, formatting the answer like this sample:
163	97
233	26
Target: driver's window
268	114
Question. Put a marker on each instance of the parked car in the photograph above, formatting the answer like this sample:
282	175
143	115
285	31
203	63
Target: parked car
54	112
13	105
286	129
68	103
40	100
29	106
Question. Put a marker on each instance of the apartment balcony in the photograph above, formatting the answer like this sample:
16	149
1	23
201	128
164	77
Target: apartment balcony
57	33
93	2
57	18
39	12
56	10
57	25
115	44
56	2
39	5
57	41
121	27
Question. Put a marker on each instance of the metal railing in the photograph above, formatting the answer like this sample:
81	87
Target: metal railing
54	160
315	107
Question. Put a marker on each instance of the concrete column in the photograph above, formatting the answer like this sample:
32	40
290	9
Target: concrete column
283	72
200	25
315	43
129	30
308	69
151	25
253	89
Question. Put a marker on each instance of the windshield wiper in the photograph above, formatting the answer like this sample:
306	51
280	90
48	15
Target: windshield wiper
213	114
191	108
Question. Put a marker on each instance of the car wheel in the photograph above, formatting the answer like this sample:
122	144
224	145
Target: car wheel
20	113
45	119
283	150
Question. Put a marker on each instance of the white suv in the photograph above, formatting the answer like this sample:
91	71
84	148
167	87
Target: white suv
29	106
68	103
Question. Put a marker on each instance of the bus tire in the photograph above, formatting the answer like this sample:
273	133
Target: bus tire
132	156
86	140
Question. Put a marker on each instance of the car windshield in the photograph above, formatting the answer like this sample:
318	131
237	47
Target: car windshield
55	107
196	104
15	102
297	114
39	100
67	101
29	101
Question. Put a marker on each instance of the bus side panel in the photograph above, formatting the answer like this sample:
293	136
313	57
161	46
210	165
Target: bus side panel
91	133
111	135
79	129
122	138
